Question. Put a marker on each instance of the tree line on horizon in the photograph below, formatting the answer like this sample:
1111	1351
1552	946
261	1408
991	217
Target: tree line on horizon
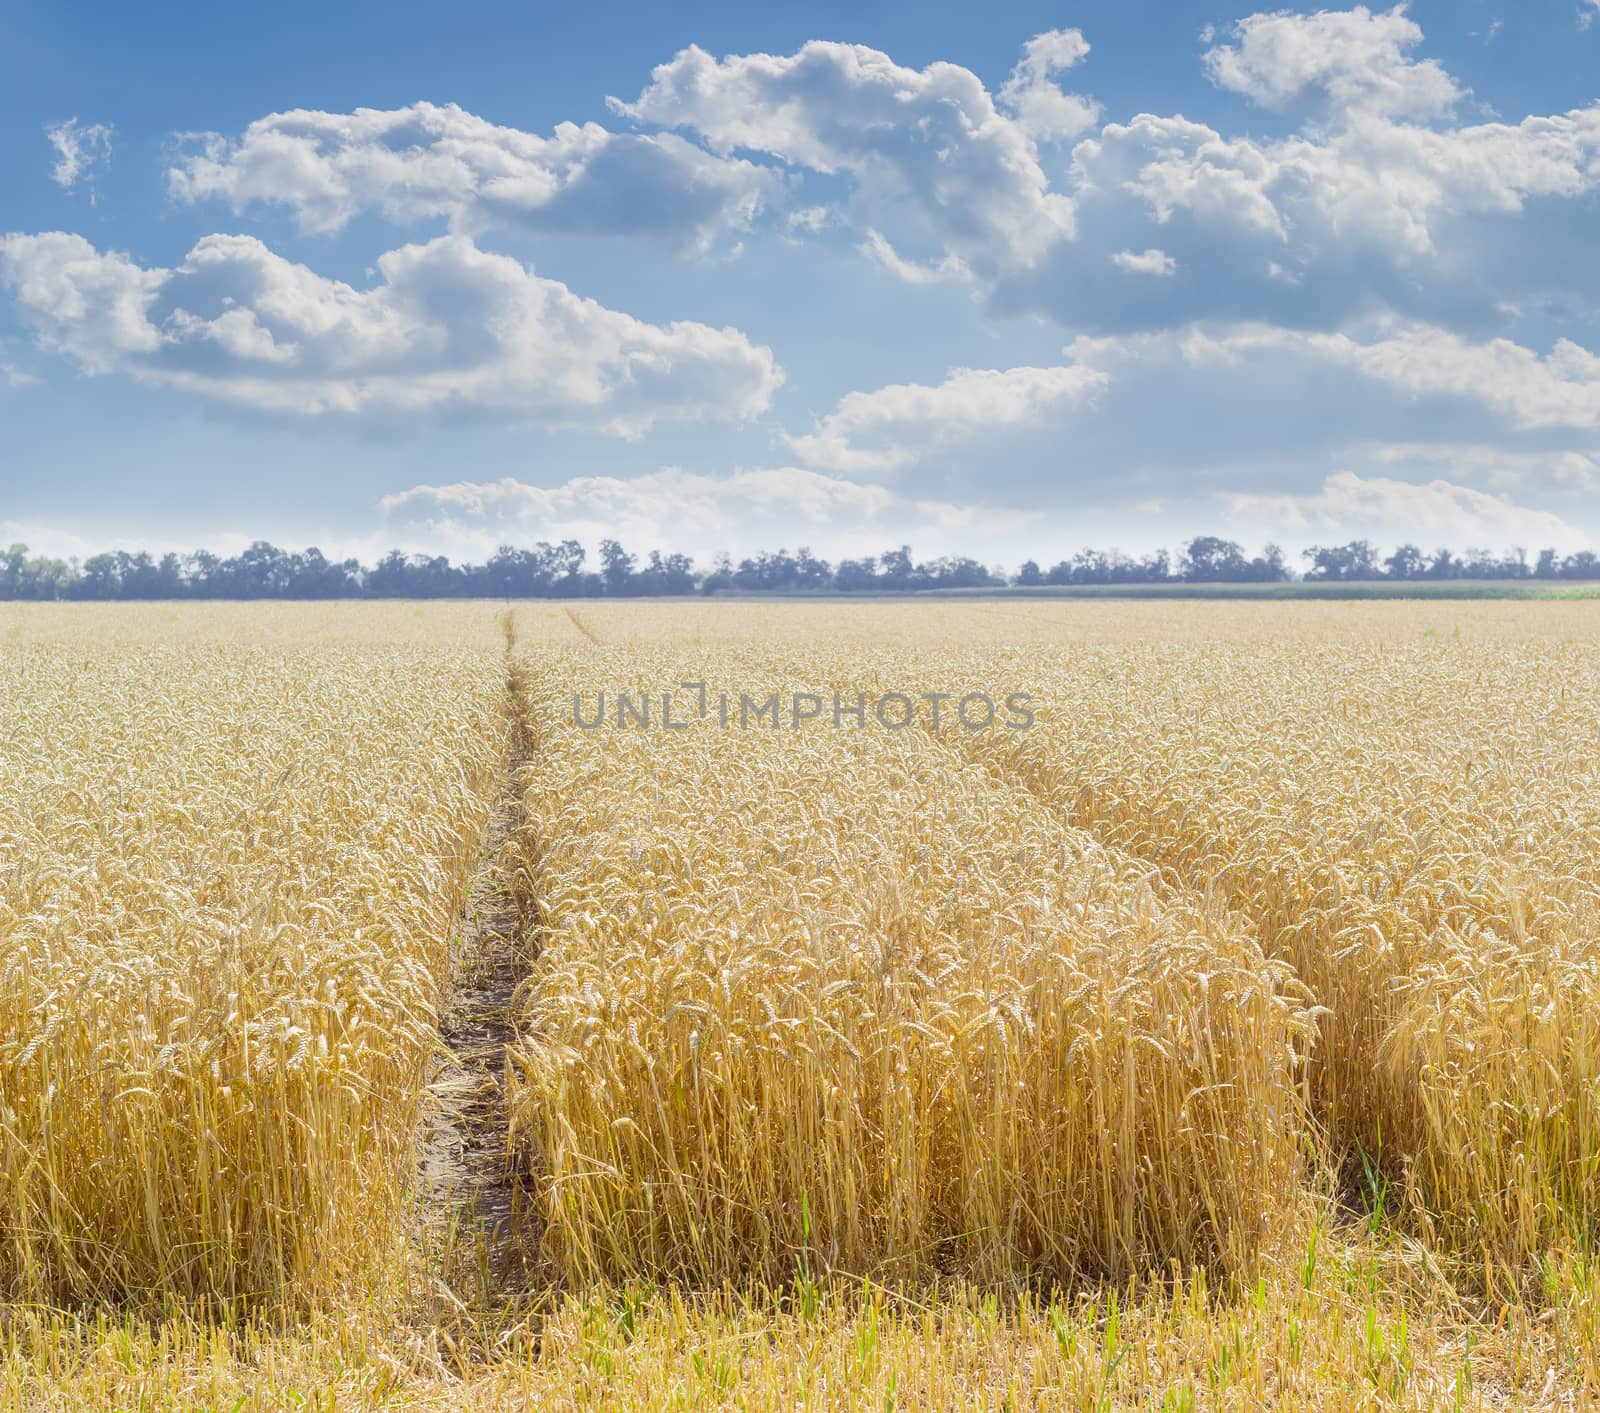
558	571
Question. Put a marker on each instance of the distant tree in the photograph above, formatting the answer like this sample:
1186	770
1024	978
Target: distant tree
896	571
810	572
12	568
544	570
955	572
1484	564
673	574
1356	560
202	574
616	568
565	562
1405	563
1156	568
1093	567
36	577
169	577
312	576
774	572
1209	560
50	578
513	573
1443	565
854	575
1268	567
140	575
102	578
262	571
389	577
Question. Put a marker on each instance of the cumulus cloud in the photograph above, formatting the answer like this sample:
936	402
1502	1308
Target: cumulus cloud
1507	468
1315	301
1145	262
1390	185
93	307
1588	12
80	151
1356	61
451	327
1246	407
1349	506
1032	97
1179	414
427	161
935	167
893	427
1531	390
694	513
1376	200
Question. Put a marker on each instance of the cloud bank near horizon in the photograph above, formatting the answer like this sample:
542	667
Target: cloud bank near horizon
1376	313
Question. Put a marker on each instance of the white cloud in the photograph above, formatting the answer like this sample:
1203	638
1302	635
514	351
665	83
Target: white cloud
946	271
893	427
1397	180
1587	13
1145	262
1241	406
1366	204
46	540
1349	506
1531	390
681	511
1362	208
427	161
1032	97
810	219
1502	467
80	152
1173	164
88	305
1312	303
936	168
1385	183
1183	414
450	327
11	374
1356	60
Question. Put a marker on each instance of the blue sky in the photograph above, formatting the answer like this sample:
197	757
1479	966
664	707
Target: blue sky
1002	280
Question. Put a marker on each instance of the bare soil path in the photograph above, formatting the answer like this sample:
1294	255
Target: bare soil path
473	1201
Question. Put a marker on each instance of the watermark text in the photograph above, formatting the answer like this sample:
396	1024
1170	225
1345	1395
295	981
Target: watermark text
678	708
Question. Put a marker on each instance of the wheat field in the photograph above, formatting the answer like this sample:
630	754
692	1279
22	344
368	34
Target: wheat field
1227	1036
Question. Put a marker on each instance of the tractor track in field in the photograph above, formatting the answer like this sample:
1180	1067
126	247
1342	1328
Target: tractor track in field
583	627
475	1203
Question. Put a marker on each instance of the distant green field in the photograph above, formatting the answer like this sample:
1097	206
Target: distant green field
1409	589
